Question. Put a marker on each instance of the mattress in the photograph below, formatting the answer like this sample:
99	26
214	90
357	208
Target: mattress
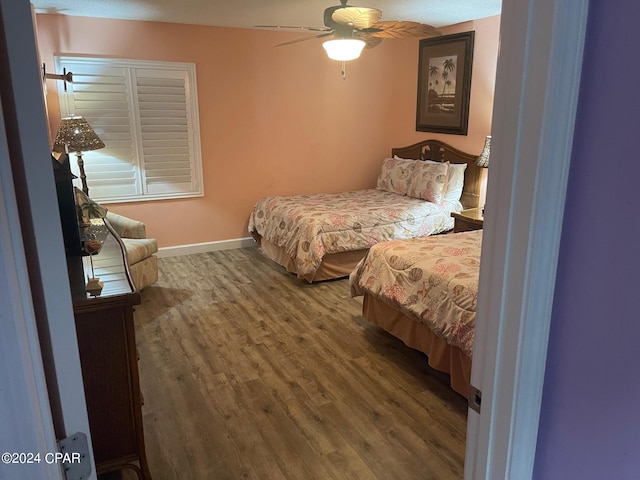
308	227
432	280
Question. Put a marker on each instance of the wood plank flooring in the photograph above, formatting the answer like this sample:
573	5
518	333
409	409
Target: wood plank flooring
250	373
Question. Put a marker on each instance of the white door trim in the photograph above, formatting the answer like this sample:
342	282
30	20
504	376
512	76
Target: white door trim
29	191
25	405
536	97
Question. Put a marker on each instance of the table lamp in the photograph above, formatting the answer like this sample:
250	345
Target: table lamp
76	135
483	158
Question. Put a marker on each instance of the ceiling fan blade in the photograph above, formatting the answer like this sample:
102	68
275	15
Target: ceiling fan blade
369	40
278	27
393	29
304	39
358	17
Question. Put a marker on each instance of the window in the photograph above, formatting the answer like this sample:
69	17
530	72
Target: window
146	114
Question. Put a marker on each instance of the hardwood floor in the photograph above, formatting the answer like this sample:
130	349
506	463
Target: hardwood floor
247	372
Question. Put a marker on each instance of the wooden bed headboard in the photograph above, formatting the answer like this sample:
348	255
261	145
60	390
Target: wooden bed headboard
438	151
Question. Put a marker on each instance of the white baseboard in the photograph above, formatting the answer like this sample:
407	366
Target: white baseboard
205	247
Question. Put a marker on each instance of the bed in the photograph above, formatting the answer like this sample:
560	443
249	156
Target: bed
324	236
424	292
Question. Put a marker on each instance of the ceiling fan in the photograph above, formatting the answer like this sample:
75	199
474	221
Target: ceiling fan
354	28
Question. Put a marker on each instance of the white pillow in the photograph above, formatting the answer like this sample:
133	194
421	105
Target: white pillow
455	182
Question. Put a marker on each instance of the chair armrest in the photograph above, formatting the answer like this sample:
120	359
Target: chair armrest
127	227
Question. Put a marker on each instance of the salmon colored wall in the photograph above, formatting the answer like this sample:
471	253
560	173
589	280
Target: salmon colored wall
273	120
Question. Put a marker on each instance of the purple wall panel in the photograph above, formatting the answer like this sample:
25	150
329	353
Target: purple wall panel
590	420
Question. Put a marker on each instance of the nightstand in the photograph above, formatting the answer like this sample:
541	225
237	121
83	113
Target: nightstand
470	219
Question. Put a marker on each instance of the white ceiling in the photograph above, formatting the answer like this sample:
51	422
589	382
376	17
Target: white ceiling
249	13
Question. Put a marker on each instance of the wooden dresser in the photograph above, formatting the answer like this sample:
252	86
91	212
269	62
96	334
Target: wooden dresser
108	355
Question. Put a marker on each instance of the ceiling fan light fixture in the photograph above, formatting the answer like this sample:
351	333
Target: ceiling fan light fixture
343	49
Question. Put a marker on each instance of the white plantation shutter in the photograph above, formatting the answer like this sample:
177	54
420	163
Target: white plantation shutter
146	115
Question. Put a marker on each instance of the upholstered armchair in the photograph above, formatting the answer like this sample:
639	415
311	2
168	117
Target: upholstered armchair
140	250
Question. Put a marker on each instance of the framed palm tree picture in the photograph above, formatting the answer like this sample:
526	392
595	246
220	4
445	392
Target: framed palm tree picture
444	83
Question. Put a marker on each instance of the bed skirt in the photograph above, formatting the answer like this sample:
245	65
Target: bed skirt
334	265
442	356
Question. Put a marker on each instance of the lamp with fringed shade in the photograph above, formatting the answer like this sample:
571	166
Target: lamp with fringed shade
76	135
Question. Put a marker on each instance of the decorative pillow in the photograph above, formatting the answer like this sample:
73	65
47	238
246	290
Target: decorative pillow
87	208
428	181
395	175
455	182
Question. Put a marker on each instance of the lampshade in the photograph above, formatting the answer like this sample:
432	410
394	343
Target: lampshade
76	135
343	49
483	158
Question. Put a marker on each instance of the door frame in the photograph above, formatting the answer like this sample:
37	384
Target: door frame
536	96
40	316
530	158
26	407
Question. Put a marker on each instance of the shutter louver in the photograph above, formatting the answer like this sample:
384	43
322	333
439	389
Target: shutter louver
162	106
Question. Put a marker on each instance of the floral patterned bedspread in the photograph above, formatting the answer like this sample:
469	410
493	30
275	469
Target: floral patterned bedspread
433	280
309	226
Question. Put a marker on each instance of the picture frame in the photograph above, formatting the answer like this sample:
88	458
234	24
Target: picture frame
444	83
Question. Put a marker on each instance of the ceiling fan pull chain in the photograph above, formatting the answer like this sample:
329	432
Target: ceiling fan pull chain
344	70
